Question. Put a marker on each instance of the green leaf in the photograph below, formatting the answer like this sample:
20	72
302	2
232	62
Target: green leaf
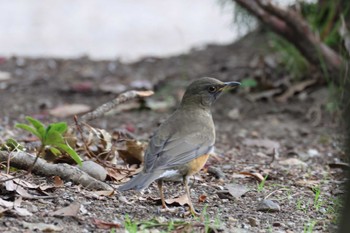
249	82
60	127
71	152
11	145
37	125
53	138
55	151
29	129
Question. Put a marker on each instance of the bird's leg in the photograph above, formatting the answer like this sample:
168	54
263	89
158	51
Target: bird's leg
192	210
161	193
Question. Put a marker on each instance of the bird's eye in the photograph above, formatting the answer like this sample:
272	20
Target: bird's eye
212	89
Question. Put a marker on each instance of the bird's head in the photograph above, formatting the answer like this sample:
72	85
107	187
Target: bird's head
205	91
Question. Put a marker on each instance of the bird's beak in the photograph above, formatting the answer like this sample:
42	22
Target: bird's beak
229	85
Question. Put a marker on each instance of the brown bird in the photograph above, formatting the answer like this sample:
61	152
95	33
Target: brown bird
181	145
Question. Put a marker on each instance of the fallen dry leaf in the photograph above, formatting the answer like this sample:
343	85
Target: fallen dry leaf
105	225
236	190
255	175
25	184
22	212
131	151
6	204
202	198
182	200
11	186
58	182
69	110
116	175
106	193
71	210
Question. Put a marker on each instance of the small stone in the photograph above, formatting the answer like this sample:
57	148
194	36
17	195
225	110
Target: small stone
93	169
291	225
293	162
234	114
253	222
4	76
323	210
313	153
268	206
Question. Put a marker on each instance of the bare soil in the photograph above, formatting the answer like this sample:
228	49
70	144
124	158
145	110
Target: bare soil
298	174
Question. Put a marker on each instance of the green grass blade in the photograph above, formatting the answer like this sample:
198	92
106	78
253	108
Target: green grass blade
71	152
29	129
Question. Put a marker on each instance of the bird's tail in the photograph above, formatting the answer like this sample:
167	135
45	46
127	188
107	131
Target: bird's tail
140	181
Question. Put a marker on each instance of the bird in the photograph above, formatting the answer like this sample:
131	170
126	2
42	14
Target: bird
182	144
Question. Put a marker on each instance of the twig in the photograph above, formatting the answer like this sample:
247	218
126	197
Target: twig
30	168
295	29
100	111
66	172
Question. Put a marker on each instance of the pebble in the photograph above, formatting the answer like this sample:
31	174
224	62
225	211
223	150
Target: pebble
93	169
234	114
4	76
253	222
268	206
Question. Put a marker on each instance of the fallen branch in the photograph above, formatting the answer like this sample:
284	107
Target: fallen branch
290	25
100	111
25	161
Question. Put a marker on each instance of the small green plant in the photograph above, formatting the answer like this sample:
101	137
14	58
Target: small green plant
262	184
51	137
248	83
11	145
130	226
317	201
309	227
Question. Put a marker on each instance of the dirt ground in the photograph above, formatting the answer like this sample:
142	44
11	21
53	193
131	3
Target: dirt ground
295	145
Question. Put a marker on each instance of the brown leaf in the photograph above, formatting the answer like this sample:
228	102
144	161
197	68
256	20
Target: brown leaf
236	190
106	193
71	210
69	110
116	175
131	151
202	198
105	225
58	182
255	175
182	200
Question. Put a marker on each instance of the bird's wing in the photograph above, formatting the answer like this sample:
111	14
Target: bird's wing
176	151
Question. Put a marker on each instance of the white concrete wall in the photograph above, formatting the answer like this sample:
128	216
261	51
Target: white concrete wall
102	29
